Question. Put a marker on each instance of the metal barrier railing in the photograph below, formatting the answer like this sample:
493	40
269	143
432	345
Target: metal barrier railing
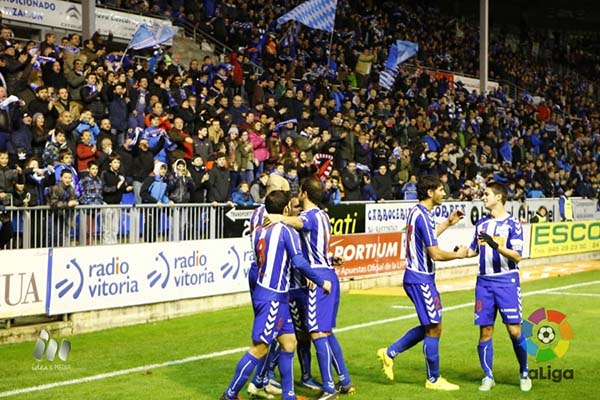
41	227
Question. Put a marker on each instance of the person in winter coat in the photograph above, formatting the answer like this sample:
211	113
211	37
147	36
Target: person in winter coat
113	188
179	183
87	122
154	191
242	196
86	152
184	144
218	182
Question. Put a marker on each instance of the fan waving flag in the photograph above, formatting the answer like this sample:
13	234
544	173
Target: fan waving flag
399	52
151	35
316	14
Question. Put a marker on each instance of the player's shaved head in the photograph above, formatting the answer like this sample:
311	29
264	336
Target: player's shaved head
277	182
313	189
276	201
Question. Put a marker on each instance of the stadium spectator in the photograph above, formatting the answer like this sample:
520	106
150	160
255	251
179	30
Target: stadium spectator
62	199
218	183
540	216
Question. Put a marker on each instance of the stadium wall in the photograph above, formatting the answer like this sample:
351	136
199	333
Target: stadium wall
109	286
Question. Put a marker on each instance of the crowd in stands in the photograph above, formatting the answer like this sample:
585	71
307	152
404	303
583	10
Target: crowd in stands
156	131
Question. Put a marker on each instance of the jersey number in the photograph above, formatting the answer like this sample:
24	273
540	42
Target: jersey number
261	248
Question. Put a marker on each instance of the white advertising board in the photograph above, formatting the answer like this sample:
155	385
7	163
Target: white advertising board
65	15
126	275
23	282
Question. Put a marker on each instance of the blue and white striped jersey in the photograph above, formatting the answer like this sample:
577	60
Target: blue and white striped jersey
420	234
506	232
256	220
274	248
315	237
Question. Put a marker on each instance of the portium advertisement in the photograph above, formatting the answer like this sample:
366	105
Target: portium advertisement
564	238
367	254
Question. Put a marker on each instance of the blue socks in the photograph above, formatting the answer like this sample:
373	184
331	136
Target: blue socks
410	338
324	357
431	350
338	360
265	365
286	369
521	353
242	372
304	358
486	357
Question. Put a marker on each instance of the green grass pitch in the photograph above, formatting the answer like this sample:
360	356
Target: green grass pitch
204	334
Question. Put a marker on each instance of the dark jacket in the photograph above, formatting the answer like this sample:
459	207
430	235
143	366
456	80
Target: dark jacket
59	196
218	185
351	184
111	193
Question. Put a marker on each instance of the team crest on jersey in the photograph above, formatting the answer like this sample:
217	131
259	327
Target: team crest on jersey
502	230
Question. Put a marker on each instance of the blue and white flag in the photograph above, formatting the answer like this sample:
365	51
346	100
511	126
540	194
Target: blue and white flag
144	37
316	14
399	52
151	35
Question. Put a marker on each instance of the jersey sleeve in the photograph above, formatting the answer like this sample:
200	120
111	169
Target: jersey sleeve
515	238
292	241
425	231
292	246
308	221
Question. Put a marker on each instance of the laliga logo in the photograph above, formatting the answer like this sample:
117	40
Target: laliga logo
548	334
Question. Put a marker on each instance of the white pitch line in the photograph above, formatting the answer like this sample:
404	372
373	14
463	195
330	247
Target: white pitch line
404	307
576	294
241	349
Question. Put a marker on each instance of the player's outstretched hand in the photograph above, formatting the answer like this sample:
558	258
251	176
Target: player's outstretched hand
488	239
327	287
310	284
271	219
461	251
456	216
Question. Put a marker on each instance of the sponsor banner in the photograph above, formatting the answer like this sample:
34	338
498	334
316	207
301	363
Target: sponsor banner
132	274
368	254
473	83
347	219
65	15
391	217
23	284
564	238
584	209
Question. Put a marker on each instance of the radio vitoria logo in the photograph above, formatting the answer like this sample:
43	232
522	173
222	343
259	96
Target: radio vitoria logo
548	334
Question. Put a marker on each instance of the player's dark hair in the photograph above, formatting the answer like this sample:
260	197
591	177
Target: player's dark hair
276	201
425	184
498	188
313	189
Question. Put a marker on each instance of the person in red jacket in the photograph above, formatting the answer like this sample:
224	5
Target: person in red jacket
86	151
